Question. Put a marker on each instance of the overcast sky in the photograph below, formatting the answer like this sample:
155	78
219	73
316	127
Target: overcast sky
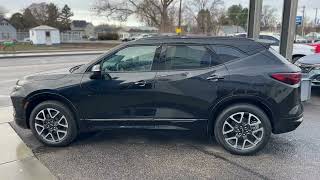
81	8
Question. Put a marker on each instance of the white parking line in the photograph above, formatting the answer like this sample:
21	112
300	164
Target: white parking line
4	96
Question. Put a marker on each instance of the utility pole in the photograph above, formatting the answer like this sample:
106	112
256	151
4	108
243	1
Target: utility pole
316	17
179	25
303	16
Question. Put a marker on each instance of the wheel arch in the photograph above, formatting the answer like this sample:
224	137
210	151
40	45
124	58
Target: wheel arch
227	102
38	98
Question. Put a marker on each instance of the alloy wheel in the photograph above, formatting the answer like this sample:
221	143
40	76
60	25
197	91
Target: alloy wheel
243	130
51	125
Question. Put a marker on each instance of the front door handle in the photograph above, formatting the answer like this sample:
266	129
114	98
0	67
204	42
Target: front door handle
141	83
214	77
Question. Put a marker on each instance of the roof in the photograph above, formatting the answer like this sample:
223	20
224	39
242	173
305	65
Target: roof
43	27
244	44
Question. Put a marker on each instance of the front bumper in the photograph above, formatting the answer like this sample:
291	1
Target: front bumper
19	112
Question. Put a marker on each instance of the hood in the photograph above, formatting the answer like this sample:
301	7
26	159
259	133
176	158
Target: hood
48	75
311	59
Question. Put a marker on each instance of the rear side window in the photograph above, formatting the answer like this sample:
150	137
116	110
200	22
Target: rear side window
226	53
185	57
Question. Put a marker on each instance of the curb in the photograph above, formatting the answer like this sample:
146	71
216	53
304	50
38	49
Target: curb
50	54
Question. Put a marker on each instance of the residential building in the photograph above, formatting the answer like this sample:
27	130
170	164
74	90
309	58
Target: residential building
7	31
83	28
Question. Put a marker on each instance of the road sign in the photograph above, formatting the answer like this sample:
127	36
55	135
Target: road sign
178	30
299	20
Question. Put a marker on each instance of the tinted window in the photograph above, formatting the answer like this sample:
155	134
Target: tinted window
226	53
275	41
185	57
138	58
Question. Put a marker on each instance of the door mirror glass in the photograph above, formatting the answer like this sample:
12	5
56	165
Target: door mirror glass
96	68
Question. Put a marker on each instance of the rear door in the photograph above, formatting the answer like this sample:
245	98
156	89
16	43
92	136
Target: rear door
186	84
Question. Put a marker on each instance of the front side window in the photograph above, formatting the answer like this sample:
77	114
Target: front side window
137	58
185	57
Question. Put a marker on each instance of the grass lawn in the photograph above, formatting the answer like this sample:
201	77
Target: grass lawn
69	46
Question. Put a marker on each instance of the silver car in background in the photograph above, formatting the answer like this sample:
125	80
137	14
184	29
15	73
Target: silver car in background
310	67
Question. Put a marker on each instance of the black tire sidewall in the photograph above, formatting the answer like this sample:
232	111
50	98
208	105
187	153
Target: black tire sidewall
72	129
224	115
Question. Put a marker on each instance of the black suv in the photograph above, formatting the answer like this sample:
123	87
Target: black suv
236	89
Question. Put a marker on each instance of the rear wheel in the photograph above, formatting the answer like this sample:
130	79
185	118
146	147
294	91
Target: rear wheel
53	123
242	129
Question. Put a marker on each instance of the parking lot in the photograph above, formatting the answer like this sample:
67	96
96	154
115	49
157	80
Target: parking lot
136	154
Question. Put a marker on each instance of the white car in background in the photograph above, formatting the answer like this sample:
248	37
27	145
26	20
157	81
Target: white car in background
299	50
310	68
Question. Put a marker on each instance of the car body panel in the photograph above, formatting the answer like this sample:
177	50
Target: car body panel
181	99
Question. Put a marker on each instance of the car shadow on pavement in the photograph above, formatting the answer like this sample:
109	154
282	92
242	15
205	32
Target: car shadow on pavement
189	139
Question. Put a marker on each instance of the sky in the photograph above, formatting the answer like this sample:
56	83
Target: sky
82	9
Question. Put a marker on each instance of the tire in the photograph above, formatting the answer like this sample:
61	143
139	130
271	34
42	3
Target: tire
246	137
62	126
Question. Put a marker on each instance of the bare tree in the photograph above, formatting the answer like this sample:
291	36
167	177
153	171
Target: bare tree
39	11
268	17
153	12
211	10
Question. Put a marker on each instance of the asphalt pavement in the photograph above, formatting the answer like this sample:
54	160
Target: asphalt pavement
146	154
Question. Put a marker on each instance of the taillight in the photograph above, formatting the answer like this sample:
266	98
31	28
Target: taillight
318	49
288	78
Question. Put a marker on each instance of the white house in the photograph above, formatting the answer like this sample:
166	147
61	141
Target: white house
44	35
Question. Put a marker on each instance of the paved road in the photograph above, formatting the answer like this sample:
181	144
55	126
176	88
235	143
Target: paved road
13	69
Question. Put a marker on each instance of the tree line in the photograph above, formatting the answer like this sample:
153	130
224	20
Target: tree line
204	16
42	14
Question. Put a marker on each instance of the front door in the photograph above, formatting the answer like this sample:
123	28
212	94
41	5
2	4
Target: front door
126	91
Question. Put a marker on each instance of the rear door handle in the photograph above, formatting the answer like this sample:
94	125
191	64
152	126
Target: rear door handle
214	77
141	83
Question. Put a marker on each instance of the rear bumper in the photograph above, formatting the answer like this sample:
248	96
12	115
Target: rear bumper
287	124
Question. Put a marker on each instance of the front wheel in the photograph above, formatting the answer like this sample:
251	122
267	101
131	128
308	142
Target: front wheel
53	123
242	129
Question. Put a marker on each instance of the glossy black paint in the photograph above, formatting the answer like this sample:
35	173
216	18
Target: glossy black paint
180	99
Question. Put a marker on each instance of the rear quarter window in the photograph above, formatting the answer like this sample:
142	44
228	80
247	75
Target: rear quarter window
227	53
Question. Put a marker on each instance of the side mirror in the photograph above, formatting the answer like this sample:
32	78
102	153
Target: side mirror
96	72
